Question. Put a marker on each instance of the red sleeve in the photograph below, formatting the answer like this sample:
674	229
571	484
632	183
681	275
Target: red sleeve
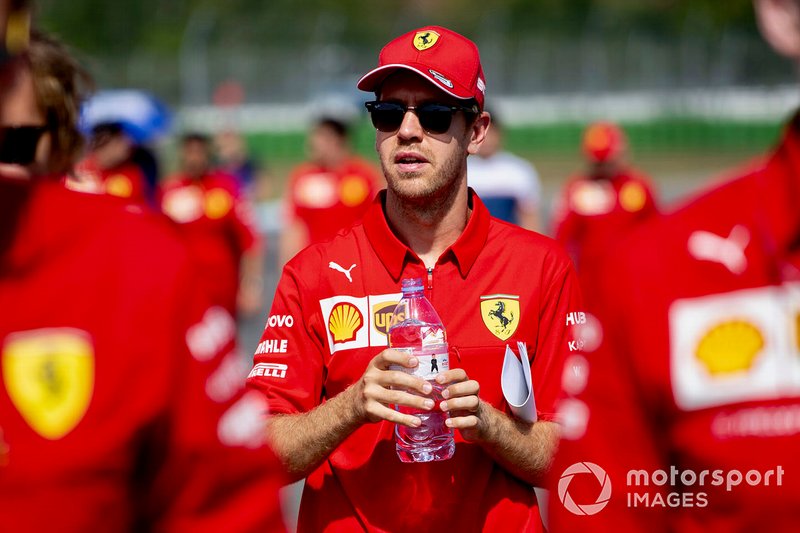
217	472
288	363
244	225
562	299
608	428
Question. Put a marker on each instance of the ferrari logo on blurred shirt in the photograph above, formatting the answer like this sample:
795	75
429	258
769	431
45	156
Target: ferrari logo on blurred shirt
49	376
500	314
425	39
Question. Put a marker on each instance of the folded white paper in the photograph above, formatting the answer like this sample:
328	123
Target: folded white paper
517	386
516	383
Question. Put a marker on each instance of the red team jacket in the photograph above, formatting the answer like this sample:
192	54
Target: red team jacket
329	319
595	213
106	420
217	225
697	376
125	181
328	200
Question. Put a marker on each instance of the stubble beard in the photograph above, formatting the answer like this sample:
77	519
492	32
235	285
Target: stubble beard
430	192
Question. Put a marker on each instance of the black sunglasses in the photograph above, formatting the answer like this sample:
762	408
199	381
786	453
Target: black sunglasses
434	118
18	143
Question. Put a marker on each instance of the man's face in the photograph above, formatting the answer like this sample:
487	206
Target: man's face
196	158
18	107
418	164
325	147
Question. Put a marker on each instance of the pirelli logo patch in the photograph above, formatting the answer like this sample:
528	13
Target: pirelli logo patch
275	370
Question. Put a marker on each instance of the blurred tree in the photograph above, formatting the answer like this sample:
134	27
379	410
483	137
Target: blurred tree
157	25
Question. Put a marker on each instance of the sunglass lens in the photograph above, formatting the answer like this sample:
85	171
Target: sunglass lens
435	118
18	145
387	117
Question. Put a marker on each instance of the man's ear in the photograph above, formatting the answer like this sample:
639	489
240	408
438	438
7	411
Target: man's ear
478	132
779	21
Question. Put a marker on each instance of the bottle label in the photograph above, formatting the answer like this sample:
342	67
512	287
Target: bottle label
431	362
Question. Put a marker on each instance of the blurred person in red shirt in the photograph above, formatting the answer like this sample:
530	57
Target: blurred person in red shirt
216	221
683	411
109	168
598	207
329	193
121	399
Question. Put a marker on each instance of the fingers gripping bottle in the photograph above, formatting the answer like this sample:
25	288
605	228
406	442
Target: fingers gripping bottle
417	329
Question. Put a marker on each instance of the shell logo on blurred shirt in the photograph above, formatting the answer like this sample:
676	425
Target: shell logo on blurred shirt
730	347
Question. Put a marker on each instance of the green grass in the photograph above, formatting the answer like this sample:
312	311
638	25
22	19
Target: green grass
661	136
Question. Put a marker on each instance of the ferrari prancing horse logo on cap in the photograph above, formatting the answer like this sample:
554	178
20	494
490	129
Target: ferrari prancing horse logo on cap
425	39
500	314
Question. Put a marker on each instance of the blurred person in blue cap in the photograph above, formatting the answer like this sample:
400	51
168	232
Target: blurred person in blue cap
683	411
119	409
109	166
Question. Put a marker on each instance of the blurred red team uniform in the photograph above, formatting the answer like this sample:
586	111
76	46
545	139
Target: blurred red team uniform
596	213
125	181
217	224
330	318
329	200
699	365
122	402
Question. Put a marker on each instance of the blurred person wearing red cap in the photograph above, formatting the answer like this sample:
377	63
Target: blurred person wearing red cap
597	208
217	223
508	185
119	409
683	414
329	193
323	362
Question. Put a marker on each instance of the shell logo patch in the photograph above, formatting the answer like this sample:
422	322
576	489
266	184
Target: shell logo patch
425	39
49	376
344	322
353	190
119	185
218	203
500	314
632	197
730	347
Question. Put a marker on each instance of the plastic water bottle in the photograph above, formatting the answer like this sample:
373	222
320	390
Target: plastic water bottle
417	329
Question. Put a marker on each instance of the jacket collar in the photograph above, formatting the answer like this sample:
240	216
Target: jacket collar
394	254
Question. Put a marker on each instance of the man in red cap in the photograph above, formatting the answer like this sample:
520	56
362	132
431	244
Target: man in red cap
685	415
330	382
597	208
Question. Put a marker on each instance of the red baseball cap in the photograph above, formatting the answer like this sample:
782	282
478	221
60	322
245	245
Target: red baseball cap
448	60
603	141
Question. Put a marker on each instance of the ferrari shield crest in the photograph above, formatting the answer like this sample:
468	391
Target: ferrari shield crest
425	39
49	376
500	314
